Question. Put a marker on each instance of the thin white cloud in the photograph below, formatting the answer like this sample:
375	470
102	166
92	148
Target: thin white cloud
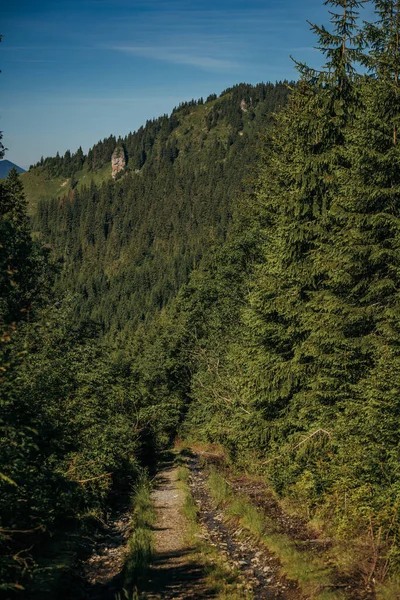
179	55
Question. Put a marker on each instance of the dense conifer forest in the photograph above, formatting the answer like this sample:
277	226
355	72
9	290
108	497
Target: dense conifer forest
238	283
129	246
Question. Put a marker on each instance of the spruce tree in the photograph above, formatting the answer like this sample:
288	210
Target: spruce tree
298	186
366	284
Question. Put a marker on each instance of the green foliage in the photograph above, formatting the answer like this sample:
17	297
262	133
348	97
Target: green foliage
24	269
69	432
70	424
140	545
302	376
64	166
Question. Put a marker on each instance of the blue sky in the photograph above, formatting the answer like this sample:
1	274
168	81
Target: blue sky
75	72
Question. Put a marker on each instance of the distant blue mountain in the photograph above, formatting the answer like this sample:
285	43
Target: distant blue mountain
6	166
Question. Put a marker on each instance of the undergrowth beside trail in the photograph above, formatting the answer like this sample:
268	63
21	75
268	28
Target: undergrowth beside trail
310	572
224	582
140	545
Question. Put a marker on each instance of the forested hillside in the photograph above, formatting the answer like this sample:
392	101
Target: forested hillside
128	246
237	284
80	419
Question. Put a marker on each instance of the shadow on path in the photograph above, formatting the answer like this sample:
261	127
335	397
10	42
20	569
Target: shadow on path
174	576
174	573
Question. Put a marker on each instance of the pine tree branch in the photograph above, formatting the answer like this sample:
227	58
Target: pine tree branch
328	433
94	478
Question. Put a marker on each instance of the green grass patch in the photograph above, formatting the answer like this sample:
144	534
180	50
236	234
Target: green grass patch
190	509
183	474
313	576
140	545
221	580
250	517
219	488
38	186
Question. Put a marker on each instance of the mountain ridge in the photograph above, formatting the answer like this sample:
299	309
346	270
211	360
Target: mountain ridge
130	243
6	166
56	176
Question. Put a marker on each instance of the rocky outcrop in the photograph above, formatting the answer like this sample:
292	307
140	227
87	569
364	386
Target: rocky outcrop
118	161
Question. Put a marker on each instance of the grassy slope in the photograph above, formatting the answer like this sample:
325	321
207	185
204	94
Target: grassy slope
38	187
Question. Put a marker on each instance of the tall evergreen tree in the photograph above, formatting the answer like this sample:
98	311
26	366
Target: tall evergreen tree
365	284
298	186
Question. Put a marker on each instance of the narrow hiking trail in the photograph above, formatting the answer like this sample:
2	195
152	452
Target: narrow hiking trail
174	573
178	571
188	553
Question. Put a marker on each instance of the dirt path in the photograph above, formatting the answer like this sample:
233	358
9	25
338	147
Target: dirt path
174	574
242	551
183	566
102	569
177	575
